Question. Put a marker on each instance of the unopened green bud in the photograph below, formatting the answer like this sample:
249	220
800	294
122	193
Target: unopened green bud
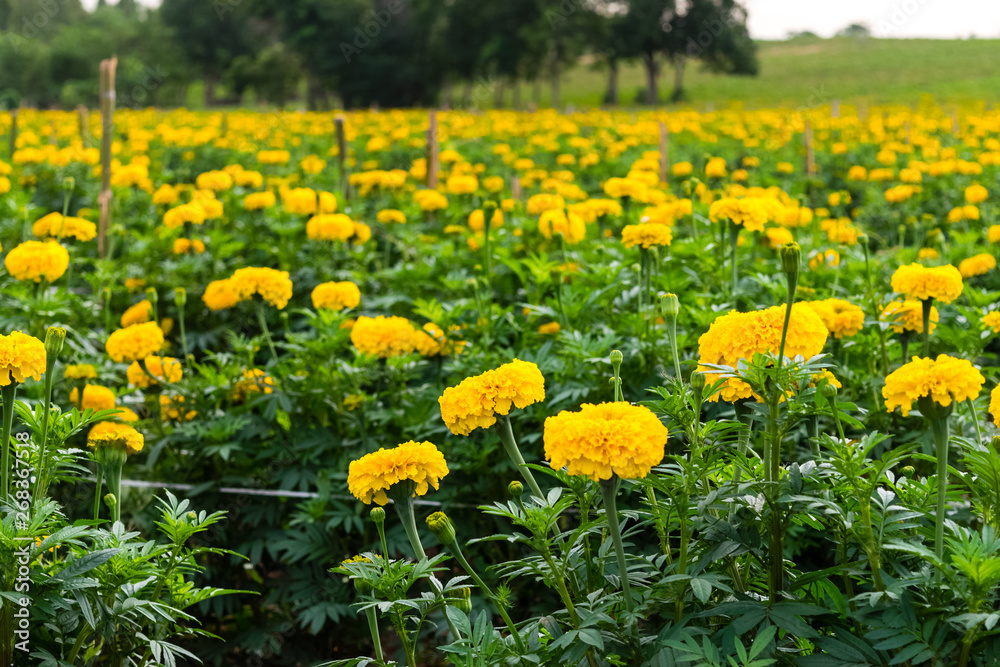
862	239
361	586
180	296
192	516
789	253
616	358
110	501
54	339
996	443
670	304
442	527
908	471
69	183
830	391
463	600
106	295
377	515
698	380
516	489
152	296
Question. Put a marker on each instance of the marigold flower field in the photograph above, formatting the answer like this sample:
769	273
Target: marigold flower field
595	388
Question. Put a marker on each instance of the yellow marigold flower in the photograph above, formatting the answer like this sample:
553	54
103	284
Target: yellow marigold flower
162	368
493	184
272	285
184	246
336	295
857	173
778	236
414	465
134	342
555	221
211	207
300	201
55	225
829	257
828	376
4	185
443	344
548	329
335	227
327	203
165	195
715	168
254	381
80	372
993	234
383	336
256	201
461	184
273	157
784	167
21	356
430	200
647	235
37	261
390	215
977	265
220	295
216	181
976	194
116	436
135	284
928	253
738	336
538	204
908	316
995	404
312	164
749	212
620	188
839	316
94	396
915	281
137	314
604	440
992	320
362	233
477	220
944	380
476	401
681	169
178	215
172	409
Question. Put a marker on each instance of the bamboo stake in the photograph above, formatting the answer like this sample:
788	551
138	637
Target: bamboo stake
664	152
338	125
810	158
432	152
13	132
84	125
107	136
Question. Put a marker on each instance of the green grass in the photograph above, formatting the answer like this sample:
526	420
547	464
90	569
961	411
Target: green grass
813	72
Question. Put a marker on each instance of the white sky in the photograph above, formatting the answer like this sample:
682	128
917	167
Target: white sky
774	19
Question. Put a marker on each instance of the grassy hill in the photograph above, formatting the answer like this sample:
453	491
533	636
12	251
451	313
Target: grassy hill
815	71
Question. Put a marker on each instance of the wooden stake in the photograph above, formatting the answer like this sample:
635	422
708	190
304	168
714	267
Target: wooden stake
955	127
432	151
810	158
664	152
515	187
107	136
835	109
13	132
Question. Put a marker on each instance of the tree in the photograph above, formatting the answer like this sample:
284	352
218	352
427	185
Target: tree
647	23
714	32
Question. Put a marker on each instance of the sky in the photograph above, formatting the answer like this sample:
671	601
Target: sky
775	19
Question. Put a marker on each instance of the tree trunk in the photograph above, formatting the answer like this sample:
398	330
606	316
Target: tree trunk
516	95
554	102
467	94
652	74
498	91
611	97
680	62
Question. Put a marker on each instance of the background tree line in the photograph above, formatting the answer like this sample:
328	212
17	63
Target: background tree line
359	52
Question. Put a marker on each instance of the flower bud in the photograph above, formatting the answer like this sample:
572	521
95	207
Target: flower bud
670	305
152	296
110	501
862	239
996	443
830	391
908	471
54	339
106	296
462	600
616	358
698	380
789	253
442	527
377	515
180	296
192	516
361	586
69	183
516	489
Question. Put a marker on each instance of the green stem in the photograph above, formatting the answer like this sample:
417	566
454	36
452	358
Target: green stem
8	392
184	340
610	489
939	425
456	551
734	240
97	493
927	326
373	629
404	507
40	484
263	325
510	446
672	340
